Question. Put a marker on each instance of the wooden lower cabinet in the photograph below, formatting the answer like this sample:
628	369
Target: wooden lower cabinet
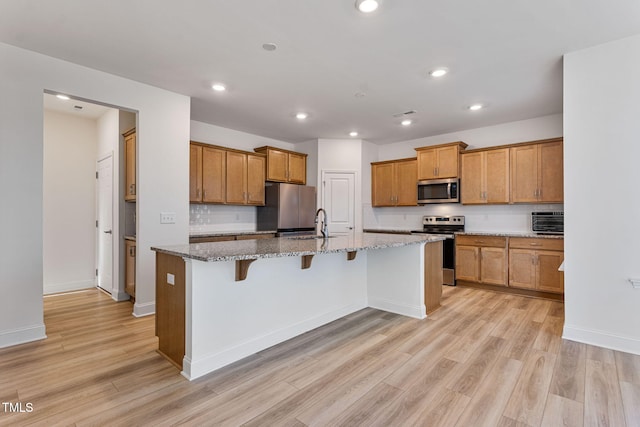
482	259
130	268
525	264
533	264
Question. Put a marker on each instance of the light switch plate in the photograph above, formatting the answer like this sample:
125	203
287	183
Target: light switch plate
171	279
167	217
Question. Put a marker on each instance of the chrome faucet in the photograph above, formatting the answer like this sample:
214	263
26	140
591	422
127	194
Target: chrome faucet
324	230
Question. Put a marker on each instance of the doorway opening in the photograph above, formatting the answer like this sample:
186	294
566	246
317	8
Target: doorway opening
84	221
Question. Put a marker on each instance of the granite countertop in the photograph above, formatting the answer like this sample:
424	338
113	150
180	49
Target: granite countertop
291	246
501	234
388	230
227	233
132	238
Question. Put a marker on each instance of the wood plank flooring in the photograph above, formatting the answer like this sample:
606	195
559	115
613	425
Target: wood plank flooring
483	359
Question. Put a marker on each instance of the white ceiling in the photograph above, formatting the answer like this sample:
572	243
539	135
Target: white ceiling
87	110
504	53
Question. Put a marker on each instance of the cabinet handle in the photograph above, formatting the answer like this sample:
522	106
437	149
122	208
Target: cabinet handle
535	244
132	251
479	241
198	193
204	194
435	173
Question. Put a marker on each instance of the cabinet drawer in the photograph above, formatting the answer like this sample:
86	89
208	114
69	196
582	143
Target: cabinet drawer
484	241
536	243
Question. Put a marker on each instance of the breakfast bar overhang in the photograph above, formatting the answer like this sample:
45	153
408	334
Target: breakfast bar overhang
217	303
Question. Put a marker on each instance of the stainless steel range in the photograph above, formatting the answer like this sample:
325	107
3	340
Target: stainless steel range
444	226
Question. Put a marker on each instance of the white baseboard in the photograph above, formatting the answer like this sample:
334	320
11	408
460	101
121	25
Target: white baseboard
120	296
56	288
602	339
418	312
22	335
192	369
147	309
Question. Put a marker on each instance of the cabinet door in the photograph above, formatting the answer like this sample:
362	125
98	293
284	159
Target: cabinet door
130	167
524	174
381	185
406	183
493	266
297	169
255	179
447	162
467	263
549	279
471	183
130	268
277	165
213	175
236	178
195	173
550	172
522	269
427	162
496	171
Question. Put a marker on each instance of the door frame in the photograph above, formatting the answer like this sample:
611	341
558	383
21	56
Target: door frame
115	233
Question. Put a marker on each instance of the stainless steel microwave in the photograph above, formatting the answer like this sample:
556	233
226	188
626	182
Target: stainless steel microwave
439	191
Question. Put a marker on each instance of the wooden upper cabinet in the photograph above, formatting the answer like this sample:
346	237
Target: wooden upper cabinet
405	180
130	165
485	176
195	173
537	173
439	161
256	166
213	175
394	183
285	165
224	175
236	178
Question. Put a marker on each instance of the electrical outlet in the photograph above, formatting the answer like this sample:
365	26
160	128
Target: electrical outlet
171	279
167	217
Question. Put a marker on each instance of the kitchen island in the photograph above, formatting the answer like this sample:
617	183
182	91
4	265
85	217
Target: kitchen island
217	303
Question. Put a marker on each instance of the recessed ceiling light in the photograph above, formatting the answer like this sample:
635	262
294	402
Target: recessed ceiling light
301	116
218	87
366	6
406	122
63	97
354	133
476	107
438	72
270	47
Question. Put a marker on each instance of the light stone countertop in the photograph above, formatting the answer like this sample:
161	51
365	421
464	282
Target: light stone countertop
227	233
291	246
500	234
389	230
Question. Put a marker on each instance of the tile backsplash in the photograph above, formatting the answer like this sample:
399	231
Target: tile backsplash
214	218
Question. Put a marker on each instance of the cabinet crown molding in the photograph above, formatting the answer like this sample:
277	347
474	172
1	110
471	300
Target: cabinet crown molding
268	147
460	144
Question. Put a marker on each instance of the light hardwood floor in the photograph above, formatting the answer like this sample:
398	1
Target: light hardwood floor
483	359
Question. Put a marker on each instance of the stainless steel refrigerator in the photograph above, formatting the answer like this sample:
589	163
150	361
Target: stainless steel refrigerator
288	209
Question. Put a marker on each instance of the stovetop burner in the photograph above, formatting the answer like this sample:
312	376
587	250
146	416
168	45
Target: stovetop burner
443	224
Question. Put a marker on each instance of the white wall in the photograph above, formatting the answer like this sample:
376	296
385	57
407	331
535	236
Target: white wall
69	202
504	218
223	218
601	175
163	164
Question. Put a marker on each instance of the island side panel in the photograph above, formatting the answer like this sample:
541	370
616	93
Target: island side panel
170	307
229	320
433	276
397	278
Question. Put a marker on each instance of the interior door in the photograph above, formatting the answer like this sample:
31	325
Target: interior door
105	223
339	201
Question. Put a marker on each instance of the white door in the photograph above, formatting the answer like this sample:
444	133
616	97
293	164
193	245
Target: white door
338	199
105	223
